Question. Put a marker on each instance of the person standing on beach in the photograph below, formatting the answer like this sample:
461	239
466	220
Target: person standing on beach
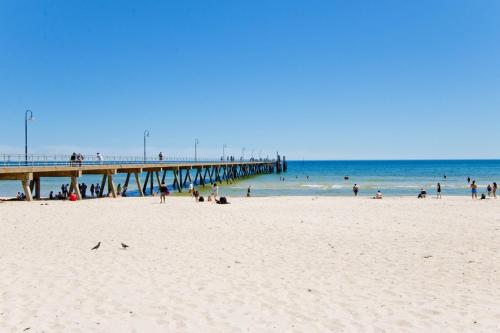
438	190
489	189
92	190
97	190
163	192
355	189
495	190
248	191
473	188
215	191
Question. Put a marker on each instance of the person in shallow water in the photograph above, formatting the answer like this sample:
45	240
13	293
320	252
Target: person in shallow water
355	189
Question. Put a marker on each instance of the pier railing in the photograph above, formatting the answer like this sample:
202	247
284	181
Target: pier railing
18	160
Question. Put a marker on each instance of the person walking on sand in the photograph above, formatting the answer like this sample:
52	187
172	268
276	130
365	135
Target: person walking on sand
438	190
163	192
355	189
494	190
473	188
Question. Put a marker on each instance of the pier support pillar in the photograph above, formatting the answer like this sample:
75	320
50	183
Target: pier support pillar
145	186
177	183
138	182
158	178
103	183
111	186
37	188
74	186
26	189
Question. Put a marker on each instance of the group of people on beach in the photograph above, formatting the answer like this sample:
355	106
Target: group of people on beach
490	189
214	196
95	191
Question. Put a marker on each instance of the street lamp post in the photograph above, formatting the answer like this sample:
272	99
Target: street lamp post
224	146
243	154
146	135
28	112
196	142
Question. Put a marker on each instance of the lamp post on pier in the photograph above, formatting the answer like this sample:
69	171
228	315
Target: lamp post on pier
28	112
224	146
243	154
196	142
146	135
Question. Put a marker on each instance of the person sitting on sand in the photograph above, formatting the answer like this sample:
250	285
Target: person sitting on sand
222	201
422	194
378	195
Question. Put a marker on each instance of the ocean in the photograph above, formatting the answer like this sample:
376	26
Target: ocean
326	178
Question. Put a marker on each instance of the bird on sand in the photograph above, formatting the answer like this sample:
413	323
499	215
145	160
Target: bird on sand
96	247
124	245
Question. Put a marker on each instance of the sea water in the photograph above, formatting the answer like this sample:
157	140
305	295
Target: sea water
326	178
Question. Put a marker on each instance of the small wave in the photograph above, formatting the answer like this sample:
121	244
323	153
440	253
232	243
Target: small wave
313	186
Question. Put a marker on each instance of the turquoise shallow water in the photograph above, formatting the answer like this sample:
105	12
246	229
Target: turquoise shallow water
326	178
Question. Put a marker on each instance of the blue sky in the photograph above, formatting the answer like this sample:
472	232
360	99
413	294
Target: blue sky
312	79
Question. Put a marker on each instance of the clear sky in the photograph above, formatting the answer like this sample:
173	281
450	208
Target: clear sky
312	79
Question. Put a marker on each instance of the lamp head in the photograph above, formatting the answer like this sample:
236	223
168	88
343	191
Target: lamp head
30	113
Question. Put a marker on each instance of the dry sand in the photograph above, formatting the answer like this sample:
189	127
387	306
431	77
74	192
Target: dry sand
258	265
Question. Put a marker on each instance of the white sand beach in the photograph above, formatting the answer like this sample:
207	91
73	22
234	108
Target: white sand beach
280	264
